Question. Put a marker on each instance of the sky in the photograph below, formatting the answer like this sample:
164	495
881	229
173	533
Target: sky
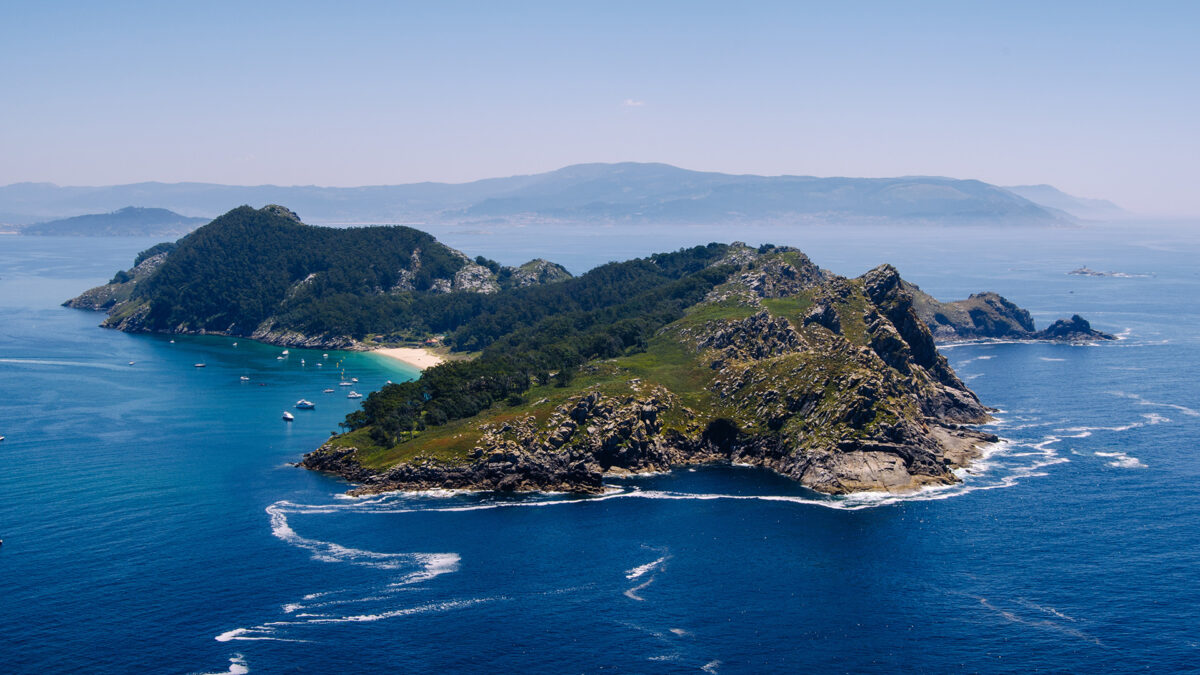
1097	98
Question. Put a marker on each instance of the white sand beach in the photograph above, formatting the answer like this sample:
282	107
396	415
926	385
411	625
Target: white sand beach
413	356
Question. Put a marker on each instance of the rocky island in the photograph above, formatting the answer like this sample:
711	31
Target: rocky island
719	353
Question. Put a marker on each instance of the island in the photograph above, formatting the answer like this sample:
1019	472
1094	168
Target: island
717	353
131	221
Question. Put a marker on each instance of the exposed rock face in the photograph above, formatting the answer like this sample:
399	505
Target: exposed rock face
538	271
581	441
1075	329
845	393
110	297
281	211
475	278
990	316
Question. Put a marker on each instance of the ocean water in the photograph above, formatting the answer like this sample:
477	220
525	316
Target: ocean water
152	521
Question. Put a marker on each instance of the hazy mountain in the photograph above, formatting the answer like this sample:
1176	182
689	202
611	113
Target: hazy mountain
1080	207
131	221
584	193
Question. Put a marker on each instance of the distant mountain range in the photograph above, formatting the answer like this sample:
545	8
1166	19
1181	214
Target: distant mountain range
131	221
585	193
1079	207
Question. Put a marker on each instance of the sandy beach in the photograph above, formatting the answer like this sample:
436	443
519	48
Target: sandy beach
413	356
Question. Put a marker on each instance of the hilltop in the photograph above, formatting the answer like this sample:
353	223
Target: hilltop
627	192
131	221
264	274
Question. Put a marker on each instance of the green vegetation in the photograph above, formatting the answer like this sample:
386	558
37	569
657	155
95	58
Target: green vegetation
656	292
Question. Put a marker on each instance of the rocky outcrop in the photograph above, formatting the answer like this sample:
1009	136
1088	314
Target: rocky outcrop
984	316
536	272
1075	329
111	296
474	278
282	212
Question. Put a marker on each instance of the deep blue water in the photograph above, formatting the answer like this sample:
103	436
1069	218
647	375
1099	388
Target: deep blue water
152	522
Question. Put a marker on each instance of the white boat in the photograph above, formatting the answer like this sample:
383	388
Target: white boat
199	365
354	394
287	416
354	379
285	352
278	358
245	379
131	363
345	384
325	356
235	344
320	364
301	361
172	342
305	405
327	391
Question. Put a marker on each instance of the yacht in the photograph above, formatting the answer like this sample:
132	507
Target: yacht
354	394
199	365
245	379
287	416
305	405
345	383
285	352
327	391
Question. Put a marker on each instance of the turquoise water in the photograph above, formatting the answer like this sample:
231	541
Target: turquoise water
152	521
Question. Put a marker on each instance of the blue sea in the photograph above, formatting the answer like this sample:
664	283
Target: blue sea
153	522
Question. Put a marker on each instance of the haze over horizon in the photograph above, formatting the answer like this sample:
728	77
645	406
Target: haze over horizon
1097	99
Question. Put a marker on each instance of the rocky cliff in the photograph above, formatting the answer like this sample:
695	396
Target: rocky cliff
992	316
834	382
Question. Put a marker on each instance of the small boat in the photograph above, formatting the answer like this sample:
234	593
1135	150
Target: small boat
245	379
320	364
327	391
285	352
305	405
278	358
354	394
199	365
301	361
172	342
287	416
325	356
235	344
131	363
354	379
1	438
344	383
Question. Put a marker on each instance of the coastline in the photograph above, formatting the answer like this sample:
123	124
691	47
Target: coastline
417	357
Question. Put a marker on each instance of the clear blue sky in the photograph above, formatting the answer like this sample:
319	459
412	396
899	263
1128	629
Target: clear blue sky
1097	98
